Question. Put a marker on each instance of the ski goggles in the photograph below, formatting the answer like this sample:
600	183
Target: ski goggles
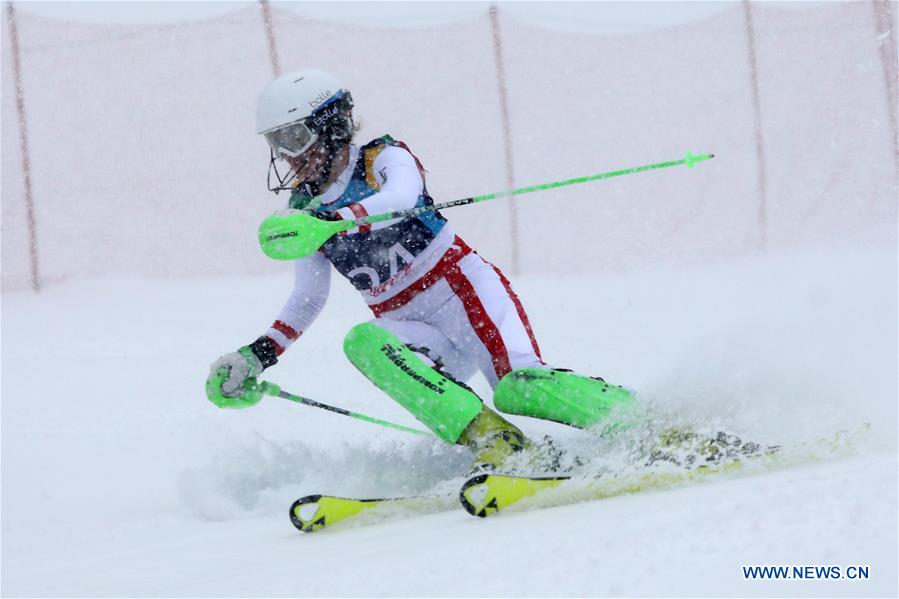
292	140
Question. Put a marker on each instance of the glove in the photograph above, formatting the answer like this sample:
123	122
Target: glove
328	216
232	378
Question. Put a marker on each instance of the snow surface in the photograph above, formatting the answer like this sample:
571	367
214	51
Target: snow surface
120	479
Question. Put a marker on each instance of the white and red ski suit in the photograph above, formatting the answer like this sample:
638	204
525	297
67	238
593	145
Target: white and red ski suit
421	281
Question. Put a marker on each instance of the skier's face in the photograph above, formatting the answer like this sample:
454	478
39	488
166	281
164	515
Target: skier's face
310	164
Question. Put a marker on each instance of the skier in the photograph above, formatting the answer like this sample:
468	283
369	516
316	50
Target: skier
441	311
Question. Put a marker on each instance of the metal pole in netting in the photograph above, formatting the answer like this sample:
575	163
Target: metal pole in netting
507	131
23	142
885	36
270	36
757	120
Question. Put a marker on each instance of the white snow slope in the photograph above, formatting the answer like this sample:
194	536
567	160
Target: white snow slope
120	479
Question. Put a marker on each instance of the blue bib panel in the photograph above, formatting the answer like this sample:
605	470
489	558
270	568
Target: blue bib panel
368	259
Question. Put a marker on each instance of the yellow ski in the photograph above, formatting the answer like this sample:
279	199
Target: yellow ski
314	512
487	494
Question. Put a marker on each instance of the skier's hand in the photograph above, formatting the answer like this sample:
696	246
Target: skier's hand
232	379
329	216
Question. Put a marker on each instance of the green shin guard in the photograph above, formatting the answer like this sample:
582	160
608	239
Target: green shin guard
561	396
438	402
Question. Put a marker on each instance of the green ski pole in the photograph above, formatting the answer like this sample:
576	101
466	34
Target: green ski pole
276	391
299	234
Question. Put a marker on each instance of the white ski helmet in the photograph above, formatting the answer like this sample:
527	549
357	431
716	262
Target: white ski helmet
296	110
